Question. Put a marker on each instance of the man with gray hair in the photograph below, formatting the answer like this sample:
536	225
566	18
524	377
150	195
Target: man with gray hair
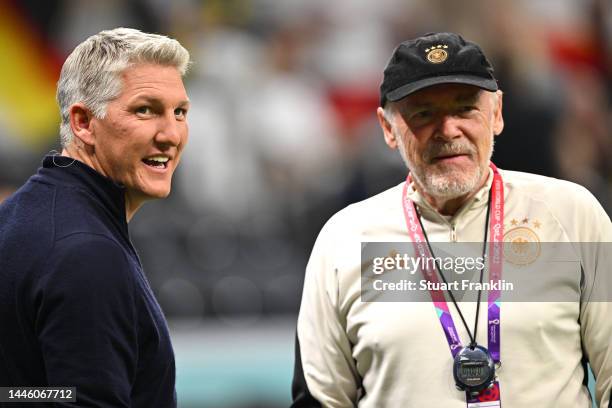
75	306
397	345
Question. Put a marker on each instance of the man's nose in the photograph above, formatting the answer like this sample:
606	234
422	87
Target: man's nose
448	126
168	132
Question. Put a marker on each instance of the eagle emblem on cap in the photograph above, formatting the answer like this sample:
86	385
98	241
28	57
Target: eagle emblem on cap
437	54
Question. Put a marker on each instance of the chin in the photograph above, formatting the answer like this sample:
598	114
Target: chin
159	194
154	192
452	185
450	189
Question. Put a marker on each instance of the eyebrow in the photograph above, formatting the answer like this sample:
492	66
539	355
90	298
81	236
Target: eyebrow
470	97
154	100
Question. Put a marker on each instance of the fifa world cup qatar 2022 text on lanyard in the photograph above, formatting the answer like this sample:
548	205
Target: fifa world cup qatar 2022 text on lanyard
474	365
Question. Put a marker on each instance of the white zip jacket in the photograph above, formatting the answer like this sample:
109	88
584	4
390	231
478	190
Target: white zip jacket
394	354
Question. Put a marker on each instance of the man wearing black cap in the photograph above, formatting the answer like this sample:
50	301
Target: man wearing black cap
441	108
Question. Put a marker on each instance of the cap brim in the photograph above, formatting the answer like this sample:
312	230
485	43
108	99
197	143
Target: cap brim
403	91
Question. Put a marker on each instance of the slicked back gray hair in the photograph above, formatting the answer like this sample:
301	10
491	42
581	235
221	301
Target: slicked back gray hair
92	72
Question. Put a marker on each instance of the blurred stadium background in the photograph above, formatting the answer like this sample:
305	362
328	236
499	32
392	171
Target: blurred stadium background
283	134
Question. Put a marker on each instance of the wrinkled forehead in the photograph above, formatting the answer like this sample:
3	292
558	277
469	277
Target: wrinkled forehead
444	94
153	80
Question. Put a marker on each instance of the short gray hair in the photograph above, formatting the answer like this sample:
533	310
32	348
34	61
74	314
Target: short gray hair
388	111
92	72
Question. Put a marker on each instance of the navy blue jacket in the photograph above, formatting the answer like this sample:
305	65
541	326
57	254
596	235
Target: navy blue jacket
75	306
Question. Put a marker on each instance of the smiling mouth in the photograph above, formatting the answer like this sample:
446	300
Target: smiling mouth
158	162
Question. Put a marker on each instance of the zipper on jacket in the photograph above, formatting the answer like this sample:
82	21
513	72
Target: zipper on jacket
453	232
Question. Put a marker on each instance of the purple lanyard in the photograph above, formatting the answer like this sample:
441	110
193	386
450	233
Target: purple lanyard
496	232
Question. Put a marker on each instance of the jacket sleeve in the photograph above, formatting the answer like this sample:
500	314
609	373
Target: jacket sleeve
596	305
325	372
85	321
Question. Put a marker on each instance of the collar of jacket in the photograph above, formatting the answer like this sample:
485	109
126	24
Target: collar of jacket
479	199
75	174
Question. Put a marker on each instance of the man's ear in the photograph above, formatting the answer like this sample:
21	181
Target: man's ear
498	117
387	128
81	124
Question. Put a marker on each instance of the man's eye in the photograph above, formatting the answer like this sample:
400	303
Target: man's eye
145	110
466	108
180	112
425	114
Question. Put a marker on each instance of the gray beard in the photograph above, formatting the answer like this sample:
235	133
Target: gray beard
445	186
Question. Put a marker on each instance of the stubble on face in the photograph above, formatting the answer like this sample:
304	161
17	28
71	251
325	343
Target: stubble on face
147	120
445	136
446	181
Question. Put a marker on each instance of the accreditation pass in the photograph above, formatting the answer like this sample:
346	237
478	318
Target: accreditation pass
37	394
489	398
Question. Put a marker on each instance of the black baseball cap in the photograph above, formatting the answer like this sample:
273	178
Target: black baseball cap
435	58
